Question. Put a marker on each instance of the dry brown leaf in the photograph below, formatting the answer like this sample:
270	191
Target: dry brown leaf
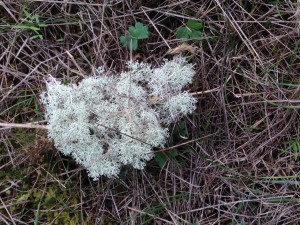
183	48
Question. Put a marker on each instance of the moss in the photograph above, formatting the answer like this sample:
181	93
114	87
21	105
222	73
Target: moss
31	186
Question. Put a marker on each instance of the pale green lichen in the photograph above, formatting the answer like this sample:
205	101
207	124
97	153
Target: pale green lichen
107	121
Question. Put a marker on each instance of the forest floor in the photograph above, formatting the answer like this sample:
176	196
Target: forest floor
235	160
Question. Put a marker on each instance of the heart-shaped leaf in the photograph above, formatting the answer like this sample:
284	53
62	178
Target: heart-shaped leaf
139	31
129	42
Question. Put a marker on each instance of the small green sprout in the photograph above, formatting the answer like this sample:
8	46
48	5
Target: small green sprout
192	30
138	32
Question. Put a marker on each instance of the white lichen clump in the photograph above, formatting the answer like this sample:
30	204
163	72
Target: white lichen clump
112	120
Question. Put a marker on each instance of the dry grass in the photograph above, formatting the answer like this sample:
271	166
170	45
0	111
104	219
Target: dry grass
239	163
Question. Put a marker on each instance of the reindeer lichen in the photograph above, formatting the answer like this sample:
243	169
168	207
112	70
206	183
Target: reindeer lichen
112	120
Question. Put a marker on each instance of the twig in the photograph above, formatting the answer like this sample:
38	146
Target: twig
205	92
155	28
187	142
76	64
25	125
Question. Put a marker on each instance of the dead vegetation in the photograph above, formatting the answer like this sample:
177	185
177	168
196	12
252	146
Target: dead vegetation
237	156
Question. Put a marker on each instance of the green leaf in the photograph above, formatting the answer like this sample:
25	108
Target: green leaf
194	25
182	130
37	217
39	36
25	27
173	153
128	41
160	158
296	148
27	14
183	32
139	31
124	40
193	30
195	35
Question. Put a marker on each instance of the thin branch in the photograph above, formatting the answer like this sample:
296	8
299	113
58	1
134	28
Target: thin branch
25	125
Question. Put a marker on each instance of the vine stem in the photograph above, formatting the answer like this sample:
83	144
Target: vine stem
24	125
